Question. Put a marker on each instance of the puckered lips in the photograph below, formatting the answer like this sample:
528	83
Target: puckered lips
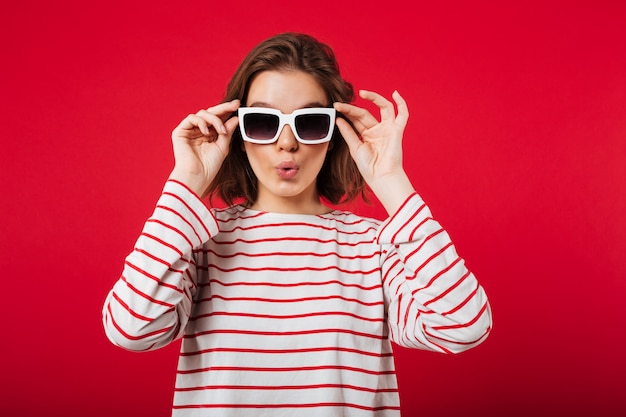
287	169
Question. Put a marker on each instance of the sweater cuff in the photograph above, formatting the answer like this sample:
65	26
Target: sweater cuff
180	201
396	228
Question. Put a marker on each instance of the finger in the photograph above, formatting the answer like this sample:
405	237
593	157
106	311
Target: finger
387	111
403	109
224	110
349	135
231	124
360	118
223	140
193	121
214	120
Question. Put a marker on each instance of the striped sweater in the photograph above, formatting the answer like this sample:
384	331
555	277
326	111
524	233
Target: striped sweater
289	314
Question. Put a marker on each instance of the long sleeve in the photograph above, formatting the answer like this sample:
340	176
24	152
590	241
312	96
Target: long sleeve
150	304
433	301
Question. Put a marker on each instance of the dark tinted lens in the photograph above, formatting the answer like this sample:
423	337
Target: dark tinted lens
260	126
312	126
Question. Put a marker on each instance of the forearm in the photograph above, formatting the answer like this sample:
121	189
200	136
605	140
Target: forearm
434	301
149	305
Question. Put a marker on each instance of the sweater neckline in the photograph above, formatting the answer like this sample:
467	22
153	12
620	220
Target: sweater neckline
247	210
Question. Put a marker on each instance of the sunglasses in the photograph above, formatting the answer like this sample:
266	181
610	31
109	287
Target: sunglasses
263	125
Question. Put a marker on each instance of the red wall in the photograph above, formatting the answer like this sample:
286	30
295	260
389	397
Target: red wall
517	140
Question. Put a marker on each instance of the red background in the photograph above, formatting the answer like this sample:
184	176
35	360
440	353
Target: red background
517	140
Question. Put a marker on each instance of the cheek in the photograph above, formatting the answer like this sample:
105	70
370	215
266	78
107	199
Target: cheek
317	157
255	155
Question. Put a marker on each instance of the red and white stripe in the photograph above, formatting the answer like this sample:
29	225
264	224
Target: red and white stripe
292	314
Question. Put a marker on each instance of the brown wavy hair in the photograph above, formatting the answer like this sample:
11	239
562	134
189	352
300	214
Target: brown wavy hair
339	180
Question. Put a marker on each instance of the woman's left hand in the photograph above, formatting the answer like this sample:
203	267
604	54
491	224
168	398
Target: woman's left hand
376	146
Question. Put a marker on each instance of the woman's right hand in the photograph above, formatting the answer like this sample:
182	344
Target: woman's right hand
201	142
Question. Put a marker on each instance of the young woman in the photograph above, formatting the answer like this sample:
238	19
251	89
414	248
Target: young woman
287	306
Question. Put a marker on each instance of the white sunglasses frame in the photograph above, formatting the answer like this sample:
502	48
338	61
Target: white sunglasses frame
287	119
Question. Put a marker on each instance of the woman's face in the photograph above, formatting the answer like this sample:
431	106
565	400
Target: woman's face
286	169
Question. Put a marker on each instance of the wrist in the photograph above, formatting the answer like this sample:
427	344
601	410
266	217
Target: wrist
195	183
392	190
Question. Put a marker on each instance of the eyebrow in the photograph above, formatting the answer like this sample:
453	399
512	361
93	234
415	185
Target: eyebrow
306	106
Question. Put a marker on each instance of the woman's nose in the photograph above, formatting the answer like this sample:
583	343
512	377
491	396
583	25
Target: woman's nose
287	140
